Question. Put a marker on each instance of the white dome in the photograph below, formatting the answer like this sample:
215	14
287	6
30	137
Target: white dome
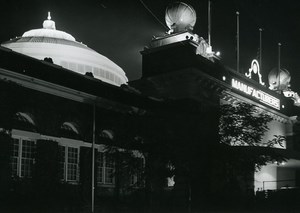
65	51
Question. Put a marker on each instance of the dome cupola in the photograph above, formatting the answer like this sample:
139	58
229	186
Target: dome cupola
64	50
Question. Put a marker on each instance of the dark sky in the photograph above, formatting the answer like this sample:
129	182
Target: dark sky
119	29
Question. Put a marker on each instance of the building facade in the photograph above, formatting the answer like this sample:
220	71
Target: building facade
55	108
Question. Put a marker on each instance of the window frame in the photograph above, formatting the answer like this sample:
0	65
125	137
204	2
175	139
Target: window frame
22	170
65	150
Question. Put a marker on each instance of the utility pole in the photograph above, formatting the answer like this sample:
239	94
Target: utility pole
93	157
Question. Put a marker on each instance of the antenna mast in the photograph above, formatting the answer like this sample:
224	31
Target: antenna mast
237	41
209	23
260	48
278	71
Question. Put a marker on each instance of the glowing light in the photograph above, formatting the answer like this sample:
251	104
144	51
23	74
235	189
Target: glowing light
49	16
258	94
180	17
255	69
282	106
224	78
218	53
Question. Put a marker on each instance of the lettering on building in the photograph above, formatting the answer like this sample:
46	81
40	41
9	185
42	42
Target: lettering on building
257	94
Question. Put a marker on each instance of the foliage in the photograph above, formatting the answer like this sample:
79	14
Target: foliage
243	124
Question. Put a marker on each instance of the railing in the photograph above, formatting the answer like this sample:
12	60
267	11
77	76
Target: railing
276	181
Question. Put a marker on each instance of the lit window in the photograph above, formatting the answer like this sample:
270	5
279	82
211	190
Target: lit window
81	68
22	159
101	72
64	64
69	163
106	75
111	77
88	68
72	164
106	168
96	71
72	66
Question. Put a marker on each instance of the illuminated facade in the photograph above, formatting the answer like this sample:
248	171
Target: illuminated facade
65	51
50	126
47	130
174	63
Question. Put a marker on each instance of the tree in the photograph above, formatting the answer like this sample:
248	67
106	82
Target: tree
241	150
244	124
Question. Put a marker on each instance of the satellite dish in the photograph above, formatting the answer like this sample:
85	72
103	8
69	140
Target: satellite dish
180	17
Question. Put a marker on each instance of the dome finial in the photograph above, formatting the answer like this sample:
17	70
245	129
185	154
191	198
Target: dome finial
49	24
49	16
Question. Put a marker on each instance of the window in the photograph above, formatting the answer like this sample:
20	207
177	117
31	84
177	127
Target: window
106	168
69	163
109	170
72	166
88	68
70	126
15	157
136	178
72	66
80	68
62	160
64	64
22	159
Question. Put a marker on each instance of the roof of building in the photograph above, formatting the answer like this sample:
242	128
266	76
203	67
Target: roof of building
44	39
64	50
33	69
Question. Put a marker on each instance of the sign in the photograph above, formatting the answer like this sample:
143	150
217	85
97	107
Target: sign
257	94
254	69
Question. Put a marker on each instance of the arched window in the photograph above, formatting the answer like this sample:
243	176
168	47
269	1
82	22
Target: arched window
70	126
24	121
25	117
109	134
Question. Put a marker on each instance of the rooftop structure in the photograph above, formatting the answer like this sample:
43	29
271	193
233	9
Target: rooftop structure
64	50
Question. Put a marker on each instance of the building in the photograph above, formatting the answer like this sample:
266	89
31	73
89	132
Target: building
50	85
60	97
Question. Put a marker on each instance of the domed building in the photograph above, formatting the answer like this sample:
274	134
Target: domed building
64	50
67	135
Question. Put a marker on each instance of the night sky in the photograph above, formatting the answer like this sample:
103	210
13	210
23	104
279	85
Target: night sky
119	29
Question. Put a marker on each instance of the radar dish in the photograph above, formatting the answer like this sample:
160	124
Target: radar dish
180	17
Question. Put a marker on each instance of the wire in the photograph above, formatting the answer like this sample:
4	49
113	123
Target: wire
147	8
